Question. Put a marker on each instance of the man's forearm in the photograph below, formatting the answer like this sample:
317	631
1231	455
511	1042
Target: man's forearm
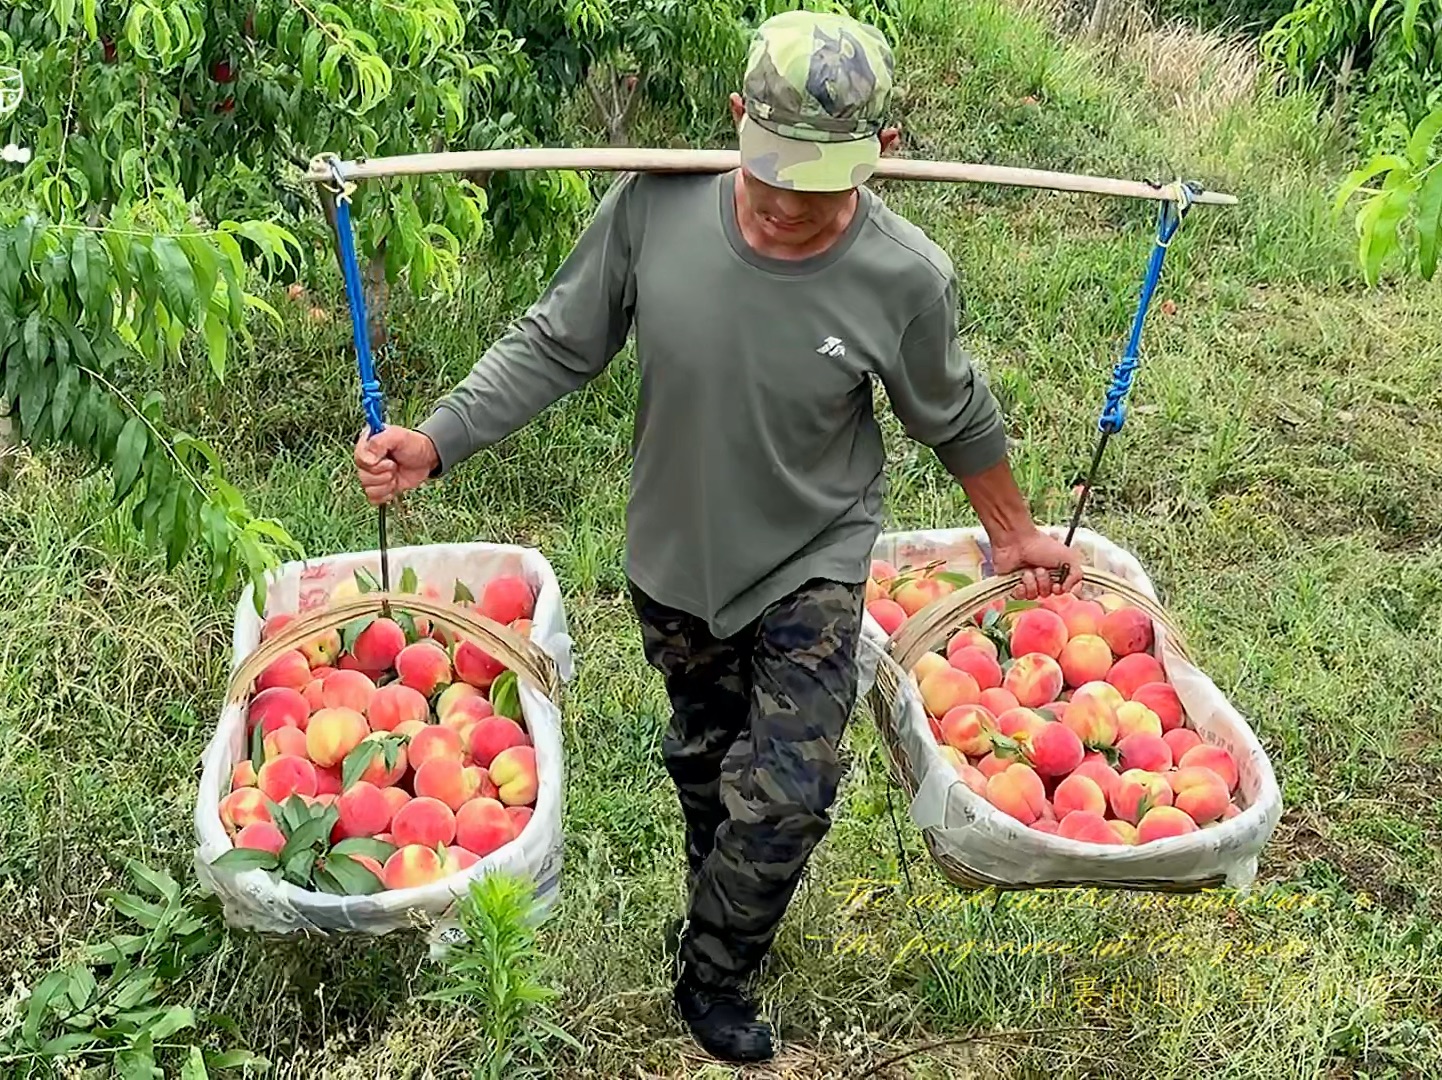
999	503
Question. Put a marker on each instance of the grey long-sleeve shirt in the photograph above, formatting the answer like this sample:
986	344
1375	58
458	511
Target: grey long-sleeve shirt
758	462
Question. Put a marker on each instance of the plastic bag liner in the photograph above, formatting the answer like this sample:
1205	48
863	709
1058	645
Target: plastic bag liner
253	899
961	826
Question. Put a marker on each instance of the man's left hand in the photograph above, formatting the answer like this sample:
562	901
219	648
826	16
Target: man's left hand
1036	555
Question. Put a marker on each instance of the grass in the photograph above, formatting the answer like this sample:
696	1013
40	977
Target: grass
1279	478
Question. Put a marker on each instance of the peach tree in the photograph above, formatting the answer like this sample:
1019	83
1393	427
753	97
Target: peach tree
162	198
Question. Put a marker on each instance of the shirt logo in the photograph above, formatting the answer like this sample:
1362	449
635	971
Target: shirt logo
832	346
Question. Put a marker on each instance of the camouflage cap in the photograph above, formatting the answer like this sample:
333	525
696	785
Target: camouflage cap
816	91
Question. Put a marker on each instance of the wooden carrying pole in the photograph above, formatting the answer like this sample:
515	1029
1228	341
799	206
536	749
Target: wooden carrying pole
626	159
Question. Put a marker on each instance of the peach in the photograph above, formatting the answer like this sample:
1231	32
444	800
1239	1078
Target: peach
875	591
506	599
1034	678
320	800
261	836
1131	673
1214	758
998	605
1085	658
968	728
460	858
284	776
242	807
445	779
1093	720
1146	752
413	865
452	696
475	666
1017	792
1057	602
288	669
1088	827
410	728
1095	768
347	690
277	707
513	771
1125	830
333	733
275	624
385	837
1055	750
1038	630
314	694
434	741
934	726
1053	710
1162	699
322	650
998	701
482	826
423	821
286	740
929	664
363	811
1127	631
377	646
991	765
1180	740
882	570
945	690
350	663
376	772
243	775
394	704
1082	618
369	863
1042	825
973	778
1160	822
1110	602
889	615
1077	793
467	713
488	789
969	637
328	780
424	667
980	665
521	815
1231	811
1104	692
1137	791
1199	793
395	798
1134	718
1020	721
919	592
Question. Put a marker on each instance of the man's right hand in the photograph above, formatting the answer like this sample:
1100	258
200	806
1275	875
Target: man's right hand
396	460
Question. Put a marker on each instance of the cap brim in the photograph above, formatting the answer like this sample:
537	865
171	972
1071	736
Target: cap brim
804	165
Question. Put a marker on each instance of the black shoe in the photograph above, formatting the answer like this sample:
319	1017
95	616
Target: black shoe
724	1022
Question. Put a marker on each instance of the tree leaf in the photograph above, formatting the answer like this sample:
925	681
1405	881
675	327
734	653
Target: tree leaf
177	279
378	850
175	1018
953	578
357	761
1379	164
310	834
408	582
66	1045
297	869
257	749
245	859
1429	220
217	342
46	991
155	882
194	1067
62	400
354	878
462	595
1426	132
129	455
138	1062
506	696
182	525
81	986
352	630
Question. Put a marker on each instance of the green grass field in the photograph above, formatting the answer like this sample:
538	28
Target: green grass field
1280	477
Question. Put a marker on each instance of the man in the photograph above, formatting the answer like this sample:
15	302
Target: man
763	302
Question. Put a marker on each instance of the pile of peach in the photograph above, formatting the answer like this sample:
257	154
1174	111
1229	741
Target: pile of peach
449	770
1061	716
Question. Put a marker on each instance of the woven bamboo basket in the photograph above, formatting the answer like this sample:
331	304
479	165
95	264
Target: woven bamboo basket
930	628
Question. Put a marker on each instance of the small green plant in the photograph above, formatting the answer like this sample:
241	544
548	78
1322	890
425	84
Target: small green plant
117	1002
495	973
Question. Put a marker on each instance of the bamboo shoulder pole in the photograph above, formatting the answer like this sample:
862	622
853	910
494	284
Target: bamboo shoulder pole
627	159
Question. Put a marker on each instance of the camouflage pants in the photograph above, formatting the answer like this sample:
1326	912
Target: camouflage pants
753	750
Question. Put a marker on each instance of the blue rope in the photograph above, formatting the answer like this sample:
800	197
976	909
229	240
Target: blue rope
1169	219
371	399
